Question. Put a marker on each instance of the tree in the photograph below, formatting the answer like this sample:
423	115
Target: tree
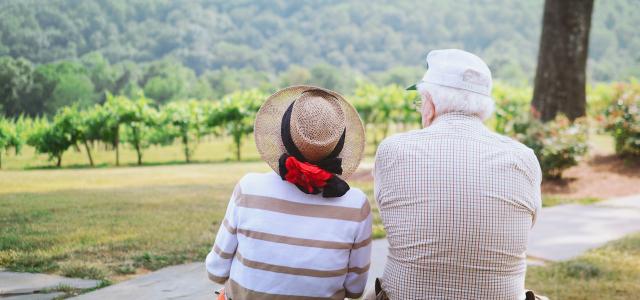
138	118
379	106
561	73
47	138
16	82
108	118
9	137
165	81
77	126
186	121
236	114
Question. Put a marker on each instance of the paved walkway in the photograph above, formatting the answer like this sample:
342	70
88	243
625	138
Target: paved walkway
29	286
561	233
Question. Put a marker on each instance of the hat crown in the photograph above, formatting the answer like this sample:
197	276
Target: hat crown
459	69
317	123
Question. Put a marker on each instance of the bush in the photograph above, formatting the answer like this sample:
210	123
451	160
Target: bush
558	144
622	119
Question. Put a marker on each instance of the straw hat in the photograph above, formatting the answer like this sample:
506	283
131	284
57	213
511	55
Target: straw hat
318	120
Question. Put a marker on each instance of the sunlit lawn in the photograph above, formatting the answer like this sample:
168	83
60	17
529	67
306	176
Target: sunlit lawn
610	272
110	222
102	223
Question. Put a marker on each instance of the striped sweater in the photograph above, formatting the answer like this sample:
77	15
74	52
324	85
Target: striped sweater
277	242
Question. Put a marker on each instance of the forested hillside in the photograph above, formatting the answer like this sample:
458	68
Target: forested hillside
56	53
272	35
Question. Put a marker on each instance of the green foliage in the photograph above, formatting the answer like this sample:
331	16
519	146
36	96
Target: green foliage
622	119
165	81
185	121
16	81
511	102
270	36
380	107
139	120
236	114
9	137
558	144
50	138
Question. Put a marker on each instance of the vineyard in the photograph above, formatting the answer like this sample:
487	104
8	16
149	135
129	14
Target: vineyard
140	123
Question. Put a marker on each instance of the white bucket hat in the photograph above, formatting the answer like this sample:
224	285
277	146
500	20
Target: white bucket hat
457	69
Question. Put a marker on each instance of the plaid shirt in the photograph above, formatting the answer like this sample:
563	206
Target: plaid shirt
457	202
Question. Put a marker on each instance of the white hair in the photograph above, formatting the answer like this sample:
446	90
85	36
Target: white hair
447	99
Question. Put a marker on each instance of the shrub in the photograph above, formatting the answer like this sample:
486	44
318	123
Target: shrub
622	119
9	137
558	144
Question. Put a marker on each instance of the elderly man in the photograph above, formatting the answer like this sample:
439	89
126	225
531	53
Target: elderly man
457	200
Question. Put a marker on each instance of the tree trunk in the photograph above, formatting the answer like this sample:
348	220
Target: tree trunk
185	141
238	140
59	163
117	148
88	149
239	145
562	59
0	158
139	154
136	135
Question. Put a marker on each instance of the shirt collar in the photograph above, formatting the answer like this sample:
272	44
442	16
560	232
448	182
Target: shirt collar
456	116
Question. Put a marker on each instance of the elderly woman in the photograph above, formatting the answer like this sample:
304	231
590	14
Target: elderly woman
457	200
299	232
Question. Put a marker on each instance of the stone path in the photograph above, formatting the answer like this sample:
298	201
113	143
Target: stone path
561	233
566	231
29	286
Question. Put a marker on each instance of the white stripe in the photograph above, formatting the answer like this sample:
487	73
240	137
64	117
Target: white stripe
293	256
225	240
278	283
217	265
360	257
355	283
296	226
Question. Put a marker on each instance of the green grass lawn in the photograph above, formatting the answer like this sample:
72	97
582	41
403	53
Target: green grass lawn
610	272
112	223
107	223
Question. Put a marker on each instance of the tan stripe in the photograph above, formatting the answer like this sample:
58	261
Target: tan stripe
228	226
221	253
240	292
362	243
365	210
359	270
293	240
217	279
302	209
289	270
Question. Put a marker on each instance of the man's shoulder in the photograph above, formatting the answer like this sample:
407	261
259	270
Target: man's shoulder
524	156
508	143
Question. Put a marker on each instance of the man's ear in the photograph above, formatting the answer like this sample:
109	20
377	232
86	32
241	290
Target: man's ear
428	110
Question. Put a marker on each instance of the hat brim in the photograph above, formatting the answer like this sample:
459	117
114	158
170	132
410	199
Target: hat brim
267	131
413	87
